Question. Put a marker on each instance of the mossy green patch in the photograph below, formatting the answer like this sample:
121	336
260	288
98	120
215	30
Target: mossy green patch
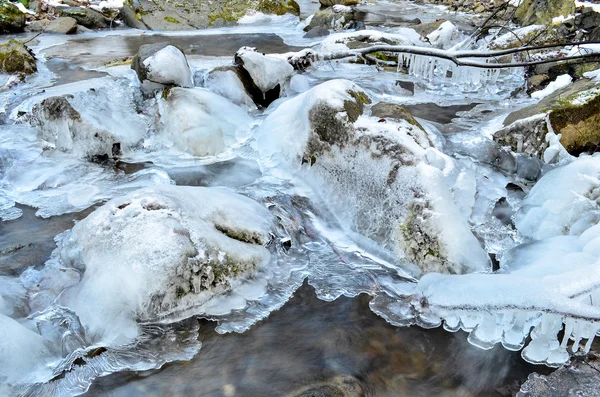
170	19
15	58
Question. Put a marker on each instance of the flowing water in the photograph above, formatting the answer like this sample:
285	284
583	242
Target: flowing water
325	326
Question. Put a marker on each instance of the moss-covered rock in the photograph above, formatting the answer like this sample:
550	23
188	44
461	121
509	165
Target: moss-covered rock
542	12
12	20
85	17
387	110
199	14
16	58
574	112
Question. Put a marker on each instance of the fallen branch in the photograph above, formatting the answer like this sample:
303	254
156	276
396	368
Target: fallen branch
460	58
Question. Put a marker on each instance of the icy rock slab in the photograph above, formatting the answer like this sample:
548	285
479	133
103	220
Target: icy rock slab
226	81
162	65
201	122
160	250
581	378
405	201
268	73
563	202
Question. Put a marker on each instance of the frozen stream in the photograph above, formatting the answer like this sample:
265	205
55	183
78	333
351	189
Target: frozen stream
328	300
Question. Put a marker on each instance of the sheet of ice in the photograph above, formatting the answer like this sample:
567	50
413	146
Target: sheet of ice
563	202
560	82
227	84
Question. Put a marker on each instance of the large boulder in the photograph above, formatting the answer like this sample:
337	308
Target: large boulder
154	252
385	180
63	25
84	16
542	12
201	122
573	111
526	136
12	20
162	65
198	14
15	57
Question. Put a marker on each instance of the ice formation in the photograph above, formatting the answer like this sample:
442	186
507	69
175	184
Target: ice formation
561	81
338	41
157	251
201	122
342	154
465	76
542	286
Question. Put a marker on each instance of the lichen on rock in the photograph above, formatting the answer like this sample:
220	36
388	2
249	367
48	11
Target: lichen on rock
15	57
12	20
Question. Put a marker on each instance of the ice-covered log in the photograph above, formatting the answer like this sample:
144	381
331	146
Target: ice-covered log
160	250
384	179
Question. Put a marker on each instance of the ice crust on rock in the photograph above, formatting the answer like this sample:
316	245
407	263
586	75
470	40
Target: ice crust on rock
167	66
157	251
339	41
320	135
267	72
444	36
201	122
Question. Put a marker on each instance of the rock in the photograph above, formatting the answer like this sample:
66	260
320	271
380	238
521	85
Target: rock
537	82
588	19
574	112
15	57
426	28
37	26
83	29
12	20
532	12
329	3
160	250
335	18
387	110
532	34
263	76
64	25
198	14
201	122
129	17
580	376
322	135
86	17
163	65
444	36
526	136
317	31
226	81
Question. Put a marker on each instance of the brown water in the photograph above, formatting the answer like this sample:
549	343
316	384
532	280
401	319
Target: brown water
316	348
